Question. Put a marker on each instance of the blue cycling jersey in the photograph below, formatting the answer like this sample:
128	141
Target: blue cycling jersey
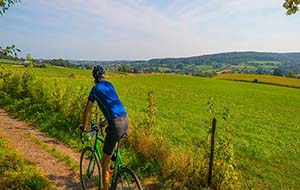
107	99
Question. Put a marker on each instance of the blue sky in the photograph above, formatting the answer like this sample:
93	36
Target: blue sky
144	29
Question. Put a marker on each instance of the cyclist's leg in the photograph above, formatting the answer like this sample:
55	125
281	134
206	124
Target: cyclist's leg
105	164
108	148
115	130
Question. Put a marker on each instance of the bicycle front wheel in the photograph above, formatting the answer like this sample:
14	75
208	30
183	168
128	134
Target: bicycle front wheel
127	179
90	170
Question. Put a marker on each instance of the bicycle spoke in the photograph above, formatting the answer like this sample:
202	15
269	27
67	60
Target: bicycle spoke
127	180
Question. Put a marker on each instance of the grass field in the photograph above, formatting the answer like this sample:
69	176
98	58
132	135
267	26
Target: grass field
267	79
264	118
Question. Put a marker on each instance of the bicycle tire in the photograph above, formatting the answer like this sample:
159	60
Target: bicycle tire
127	179
90	179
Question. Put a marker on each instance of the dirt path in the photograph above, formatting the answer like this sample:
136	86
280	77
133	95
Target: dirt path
16	132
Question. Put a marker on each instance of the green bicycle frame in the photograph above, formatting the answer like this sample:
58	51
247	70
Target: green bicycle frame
118	163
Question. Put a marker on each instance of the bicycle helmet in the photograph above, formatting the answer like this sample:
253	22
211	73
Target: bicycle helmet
98	72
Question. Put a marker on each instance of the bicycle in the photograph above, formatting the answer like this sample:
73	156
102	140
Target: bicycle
90	168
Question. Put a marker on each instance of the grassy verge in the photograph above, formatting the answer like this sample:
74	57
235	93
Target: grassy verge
17	172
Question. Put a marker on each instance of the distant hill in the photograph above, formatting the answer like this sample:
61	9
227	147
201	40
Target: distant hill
287	64
234	58
226	58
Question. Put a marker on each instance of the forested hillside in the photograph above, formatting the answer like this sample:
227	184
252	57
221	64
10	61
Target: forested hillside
287	64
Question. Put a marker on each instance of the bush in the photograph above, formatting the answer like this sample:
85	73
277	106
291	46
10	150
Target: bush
31	100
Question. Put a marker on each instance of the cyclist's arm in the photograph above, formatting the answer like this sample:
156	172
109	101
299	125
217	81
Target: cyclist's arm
87	109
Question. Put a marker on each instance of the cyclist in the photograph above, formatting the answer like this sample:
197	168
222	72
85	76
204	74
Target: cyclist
114	112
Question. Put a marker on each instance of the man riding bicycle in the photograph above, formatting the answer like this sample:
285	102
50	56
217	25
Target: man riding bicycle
114	112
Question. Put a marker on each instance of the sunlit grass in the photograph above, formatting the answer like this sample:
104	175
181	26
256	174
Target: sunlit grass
275	80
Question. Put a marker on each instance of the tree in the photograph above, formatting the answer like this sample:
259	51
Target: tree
292	75
5	4
277	72
9	50
124	68
29	60
292	6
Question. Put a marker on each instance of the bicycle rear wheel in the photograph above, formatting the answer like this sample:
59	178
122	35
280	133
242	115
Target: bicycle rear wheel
90	170
127	179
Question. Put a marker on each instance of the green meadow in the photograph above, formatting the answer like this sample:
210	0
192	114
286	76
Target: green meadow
264	119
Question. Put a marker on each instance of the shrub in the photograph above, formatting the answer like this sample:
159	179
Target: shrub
225	176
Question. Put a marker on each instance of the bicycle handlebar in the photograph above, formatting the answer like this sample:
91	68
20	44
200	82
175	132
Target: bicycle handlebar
94	127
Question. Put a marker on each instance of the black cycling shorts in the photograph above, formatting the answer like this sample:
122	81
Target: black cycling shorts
116	128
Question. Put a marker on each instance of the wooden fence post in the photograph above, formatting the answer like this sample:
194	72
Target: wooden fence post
212	147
